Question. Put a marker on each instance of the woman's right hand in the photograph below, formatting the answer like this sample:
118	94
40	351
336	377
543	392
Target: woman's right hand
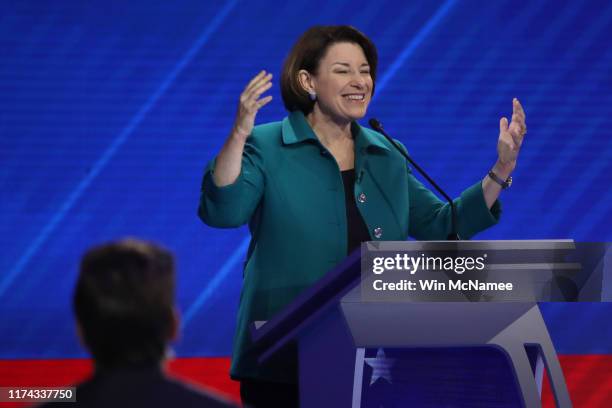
250	103
229	160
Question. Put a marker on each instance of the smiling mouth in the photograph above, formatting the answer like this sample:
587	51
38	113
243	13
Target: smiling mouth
355	97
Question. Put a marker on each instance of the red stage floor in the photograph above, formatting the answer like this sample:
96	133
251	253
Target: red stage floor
589	378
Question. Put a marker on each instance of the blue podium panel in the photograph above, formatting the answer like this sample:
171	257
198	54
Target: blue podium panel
360	354
438	377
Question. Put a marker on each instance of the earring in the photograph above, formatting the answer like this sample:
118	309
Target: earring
312	95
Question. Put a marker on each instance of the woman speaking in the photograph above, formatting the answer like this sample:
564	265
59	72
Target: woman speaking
315	185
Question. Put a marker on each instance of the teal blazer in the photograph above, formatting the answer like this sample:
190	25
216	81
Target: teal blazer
290	191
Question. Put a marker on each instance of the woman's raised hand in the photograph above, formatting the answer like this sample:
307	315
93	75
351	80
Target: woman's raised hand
508	147
250	103
229	161
511	136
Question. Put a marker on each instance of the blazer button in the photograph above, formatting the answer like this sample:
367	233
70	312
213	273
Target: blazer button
378	232
361	198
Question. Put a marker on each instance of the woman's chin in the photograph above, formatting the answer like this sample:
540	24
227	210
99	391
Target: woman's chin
348	114
357	115
356	112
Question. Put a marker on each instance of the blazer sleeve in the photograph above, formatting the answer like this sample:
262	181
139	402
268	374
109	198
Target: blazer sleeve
430	217
233	205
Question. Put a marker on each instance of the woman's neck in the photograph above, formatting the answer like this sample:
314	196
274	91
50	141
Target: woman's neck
329	131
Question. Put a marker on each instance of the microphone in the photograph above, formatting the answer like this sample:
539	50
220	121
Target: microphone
454	235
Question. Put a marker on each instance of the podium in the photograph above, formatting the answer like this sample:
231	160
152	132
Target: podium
467	349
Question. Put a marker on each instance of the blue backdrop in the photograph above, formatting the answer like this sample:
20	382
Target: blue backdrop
109	111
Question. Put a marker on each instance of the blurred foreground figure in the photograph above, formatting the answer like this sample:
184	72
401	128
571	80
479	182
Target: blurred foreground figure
126	316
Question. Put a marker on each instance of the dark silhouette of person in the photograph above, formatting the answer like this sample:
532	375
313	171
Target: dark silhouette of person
124	303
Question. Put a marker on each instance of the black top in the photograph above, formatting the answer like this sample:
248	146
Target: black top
135	387
356	229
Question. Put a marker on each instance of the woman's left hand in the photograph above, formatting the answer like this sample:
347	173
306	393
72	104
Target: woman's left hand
511	136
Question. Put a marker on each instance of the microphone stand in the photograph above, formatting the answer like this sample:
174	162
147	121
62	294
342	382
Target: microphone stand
454	235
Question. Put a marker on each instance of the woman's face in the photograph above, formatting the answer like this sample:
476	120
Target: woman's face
343	83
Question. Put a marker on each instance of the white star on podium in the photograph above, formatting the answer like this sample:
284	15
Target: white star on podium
381	366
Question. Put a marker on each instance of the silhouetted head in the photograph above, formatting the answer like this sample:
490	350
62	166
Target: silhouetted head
124	302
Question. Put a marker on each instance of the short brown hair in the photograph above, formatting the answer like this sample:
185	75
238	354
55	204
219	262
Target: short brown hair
124	302
308	52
